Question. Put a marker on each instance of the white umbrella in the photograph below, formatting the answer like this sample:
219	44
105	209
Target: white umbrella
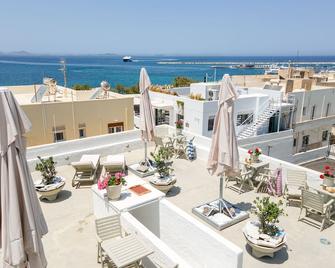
223	156
147	121
22	222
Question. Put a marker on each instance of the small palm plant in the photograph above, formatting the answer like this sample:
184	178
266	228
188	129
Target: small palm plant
47	169
268	213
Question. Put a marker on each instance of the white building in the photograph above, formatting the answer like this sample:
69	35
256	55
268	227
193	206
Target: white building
285	126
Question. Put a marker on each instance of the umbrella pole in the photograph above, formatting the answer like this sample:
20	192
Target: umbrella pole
146	161
221	200
145	152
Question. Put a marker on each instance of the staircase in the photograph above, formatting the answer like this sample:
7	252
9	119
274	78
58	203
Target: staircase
251	129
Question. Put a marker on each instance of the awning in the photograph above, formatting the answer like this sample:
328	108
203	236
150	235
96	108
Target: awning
162	105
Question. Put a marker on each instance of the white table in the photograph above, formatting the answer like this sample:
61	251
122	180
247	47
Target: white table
256	168
126	250
145	208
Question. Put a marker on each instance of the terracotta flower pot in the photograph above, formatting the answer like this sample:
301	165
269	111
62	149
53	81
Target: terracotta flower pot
114	192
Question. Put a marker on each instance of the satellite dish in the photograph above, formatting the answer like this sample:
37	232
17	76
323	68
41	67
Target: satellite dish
105	86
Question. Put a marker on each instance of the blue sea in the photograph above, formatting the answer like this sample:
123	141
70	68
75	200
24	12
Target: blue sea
91	70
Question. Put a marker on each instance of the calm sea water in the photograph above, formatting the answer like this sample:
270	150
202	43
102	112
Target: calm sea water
20	70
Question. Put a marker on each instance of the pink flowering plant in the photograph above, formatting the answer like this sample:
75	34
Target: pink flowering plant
327	172
257	151
179	123
111	179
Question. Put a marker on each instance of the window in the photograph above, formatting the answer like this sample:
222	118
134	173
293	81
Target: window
324	135
294	142
59	136
82	130
137	109
82	133
313	112
304	110
162	117
244	119
211	123
305	140
327	109
59	133
115	127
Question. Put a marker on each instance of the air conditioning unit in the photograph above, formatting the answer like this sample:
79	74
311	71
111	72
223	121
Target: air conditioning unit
213	94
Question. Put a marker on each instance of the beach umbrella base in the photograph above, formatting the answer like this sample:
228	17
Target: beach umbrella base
218	213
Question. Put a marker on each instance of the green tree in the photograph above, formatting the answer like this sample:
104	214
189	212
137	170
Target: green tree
182	81
119	87
132	90
81	87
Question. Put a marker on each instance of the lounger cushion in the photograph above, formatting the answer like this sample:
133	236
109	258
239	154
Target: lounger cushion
94	158
83	164
115	160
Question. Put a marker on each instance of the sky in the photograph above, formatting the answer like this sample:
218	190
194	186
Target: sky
173	27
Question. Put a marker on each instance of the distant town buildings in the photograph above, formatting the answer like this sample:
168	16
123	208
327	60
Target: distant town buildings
286	114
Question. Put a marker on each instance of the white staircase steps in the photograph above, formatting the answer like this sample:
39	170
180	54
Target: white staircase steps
251	130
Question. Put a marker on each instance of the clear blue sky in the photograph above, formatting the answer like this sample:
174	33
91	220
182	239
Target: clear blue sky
212	27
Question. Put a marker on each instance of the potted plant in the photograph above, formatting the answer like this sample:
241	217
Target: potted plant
327	176
254	154
263	236
163	162
163	181
268	213
51	184
113	184
179	126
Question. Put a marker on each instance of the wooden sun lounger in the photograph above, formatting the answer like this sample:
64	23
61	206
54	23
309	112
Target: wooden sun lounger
86	169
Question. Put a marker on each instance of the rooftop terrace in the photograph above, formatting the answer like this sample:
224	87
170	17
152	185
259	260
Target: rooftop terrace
71	239
29	94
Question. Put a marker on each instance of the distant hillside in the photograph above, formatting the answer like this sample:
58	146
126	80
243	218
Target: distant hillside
21	53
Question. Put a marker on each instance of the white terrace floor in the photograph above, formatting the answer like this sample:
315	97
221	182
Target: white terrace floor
71	238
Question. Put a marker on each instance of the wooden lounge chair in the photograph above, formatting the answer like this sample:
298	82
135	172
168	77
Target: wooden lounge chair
314	203
243	178
115	163
295	182
109	231
267	179
86	169
107	228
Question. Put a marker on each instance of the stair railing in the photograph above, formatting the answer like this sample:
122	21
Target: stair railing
247	123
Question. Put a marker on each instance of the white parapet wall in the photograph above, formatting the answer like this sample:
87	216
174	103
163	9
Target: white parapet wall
68	151
180	240
183	241
311	155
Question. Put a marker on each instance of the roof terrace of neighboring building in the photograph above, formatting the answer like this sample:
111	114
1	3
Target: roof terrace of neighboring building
41	93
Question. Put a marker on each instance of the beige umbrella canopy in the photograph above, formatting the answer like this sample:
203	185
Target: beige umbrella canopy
22	223
223	155
147	121
147	124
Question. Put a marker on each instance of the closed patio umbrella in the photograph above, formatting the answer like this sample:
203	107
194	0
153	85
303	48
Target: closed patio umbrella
147	122
22	223
223	156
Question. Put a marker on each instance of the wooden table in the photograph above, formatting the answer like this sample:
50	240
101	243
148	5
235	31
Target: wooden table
145	207
126	250
256	168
